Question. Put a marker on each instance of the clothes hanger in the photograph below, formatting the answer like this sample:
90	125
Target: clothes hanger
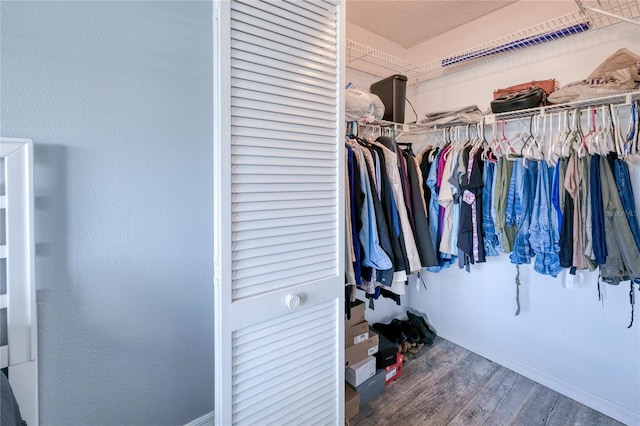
488	154
555	149
580	147
571	136
519	140
534	148
619	141
607	143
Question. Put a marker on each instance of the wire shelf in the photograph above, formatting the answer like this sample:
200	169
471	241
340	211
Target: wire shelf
592	14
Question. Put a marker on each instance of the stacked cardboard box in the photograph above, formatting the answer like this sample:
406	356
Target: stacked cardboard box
361	344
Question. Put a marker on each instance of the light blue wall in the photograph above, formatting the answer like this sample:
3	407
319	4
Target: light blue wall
117	97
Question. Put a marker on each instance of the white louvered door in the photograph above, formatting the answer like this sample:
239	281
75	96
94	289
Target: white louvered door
278	203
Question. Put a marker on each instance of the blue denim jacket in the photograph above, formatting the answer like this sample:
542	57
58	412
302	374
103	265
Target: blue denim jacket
519	208
623	183
491	242
543	230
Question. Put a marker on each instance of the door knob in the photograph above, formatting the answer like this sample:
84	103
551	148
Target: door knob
292	301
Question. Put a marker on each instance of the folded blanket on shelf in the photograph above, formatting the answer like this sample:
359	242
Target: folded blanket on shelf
467	115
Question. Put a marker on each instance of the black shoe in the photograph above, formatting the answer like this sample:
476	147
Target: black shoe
394	334
426	333
409	330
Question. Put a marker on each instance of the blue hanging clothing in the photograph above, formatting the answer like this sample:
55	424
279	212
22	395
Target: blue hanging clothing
543	232
623	183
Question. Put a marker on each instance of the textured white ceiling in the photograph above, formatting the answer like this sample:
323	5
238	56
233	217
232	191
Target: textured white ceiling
408	23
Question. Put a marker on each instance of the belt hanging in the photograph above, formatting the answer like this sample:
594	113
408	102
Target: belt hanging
518	289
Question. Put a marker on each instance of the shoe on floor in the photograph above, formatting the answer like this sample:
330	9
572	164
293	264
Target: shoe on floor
409	330
426	334
393	333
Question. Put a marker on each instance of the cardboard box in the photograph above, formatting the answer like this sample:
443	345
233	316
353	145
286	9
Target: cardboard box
357	314
351	402
361	371
356	334
393	372
356	353
372	387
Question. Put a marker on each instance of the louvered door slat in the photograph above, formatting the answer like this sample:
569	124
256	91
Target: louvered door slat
255	262
269	232
294	112
275	187
250	197
270	66
279	43
283	36
290	72
279	20
309	143
283	214
282	375
281	240
284	93
279	213
281	279
321	12
298	412
281	117
278	79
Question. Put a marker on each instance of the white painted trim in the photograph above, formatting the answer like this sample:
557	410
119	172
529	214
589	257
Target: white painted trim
206	420
222	211
597	402
20	299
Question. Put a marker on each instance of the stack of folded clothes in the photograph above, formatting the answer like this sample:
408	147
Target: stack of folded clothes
466	115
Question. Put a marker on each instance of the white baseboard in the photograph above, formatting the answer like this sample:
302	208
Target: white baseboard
598	403
206	420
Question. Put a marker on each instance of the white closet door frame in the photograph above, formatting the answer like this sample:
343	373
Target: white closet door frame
257	319
19	251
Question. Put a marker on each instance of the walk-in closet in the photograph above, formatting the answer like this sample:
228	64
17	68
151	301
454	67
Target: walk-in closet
536	336
206	217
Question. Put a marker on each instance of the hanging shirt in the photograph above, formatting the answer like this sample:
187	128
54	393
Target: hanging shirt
501	188
434	209
421	231
470	240
597	212
374	255
445	200
350	255
585	194
391	164
623	259
572	185
558	188
355	201
399	253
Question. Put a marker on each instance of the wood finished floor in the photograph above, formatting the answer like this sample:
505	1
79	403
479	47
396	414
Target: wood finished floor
446	384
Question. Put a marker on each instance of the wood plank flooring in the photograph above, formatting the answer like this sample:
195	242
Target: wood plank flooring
446	384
